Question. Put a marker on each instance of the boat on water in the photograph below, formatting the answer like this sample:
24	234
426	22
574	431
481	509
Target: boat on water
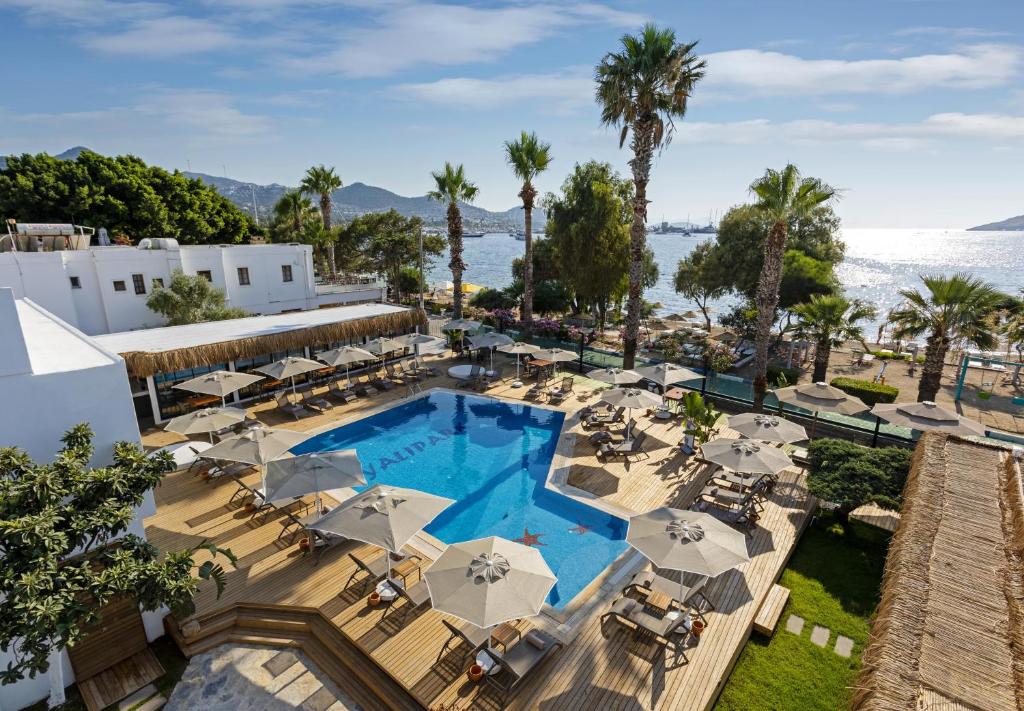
707	229
519	234
473	234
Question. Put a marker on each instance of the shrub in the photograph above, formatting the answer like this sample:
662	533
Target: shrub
790	375
871	393
849	475
491	299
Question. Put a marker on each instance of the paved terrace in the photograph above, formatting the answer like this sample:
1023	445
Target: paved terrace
278	596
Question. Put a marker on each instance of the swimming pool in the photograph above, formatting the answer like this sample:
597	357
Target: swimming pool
492	457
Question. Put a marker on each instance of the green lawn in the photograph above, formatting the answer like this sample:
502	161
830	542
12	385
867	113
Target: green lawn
834	578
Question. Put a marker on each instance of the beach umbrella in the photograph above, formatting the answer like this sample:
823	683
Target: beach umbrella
312	473
462	325
927	417
746	456
818	398
346	356
556	355
767	428
207	420
256	446
518	348
489	581
219	382
382	346
615	376
690	314
290	367
630	398
490	341
687	541
384	516
665	374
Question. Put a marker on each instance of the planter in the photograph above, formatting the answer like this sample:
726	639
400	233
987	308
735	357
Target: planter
476	672
304	544
374	598
698	628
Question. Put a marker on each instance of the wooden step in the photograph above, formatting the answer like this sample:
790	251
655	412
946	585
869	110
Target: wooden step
767	618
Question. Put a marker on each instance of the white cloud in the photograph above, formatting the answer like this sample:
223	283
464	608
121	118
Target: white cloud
88	12
410	34
561	91
169	36
955	32
754	71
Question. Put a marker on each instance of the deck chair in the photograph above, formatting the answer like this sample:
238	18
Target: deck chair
744	517
316	402
408	370
613	436
472	639
364	386
415	596
395	376
597	418
220	468
562	391
517	663
647	580
345	394
381	383
538	388
368	573
423	369
727	498
288	407
627	449
666	630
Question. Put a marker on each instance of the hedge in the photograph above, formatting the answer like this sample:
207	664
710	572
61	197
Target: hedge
871	393
881	355
849	475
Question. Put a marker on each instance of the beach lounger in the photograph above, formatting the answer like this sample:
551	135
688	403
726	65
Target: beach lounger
288	407
728	498
517	663
626	449
666	630
365	387
415	596
407	368
471	637
368	573
316	402
613	436
562	391
743	517
219	468
605	418
422	369
394	376
345	394
647	580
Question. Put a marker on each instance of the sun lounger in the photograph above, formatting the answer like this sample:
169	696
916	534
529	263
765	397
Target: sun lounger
517	663
381	383
728	498
647	580
365	387
742	517
368	573
613	436
421	368
220	468
345	394
562	391
394	376
626	449
472	639
316	402
285	405
415	597
408	369
666	630
601	419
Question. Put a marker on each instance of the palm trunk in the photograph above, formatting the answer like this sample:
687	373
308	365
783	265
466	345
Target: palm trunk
528	193
325	214
822	351
766	299
931	371
455	262
643	149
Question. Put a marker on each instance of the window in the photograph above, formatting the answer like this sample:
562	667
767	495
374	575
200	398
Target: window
76	283
119	285
243	276
158	283
139	283
205	274
286	272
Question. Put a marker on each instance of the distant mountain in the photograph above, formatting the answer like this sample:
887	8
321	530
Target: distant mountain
352	200
1012	224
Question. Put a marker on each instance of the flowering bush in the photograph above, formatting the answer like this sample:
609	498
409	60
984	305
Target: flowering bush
503	318
719	357
545	327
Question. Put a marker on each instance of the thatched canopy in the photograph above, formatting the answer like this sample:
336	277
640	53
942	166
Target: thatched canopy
949	633
283	336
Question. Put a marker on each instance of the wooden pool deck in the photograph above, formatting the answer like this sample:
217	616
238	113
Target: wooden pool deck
279	596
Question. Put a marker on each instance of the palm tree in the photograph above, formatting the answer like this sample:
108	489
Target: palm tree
321	180
782	197
293	207
641	89
529	156
453	187
831	320
956	308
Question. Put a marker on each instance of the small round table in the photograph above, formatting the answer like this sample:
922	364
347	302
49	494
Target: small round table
465	372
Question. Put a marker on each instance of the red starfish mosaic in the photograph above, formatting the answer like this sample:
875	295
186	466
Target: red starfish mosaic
530	539
579	528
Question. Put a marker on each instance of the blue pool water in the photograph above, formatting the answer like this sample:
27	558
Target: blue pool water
492	457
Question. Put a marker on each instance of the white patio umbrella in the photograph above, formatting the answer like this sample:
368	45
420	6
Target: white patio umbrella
489	581
207	420
630	398
463	325
381	346
746	456
687	541
346	356
219	382
818	398
615	376
384	516
767	428
290	367
256	446
927	417
490	341
556	355
312	473
518	348
665	374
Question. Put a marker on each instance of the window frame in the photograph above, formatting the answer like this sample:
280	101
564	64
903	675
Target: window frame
139	284
205	274
287	274
240	271
157	283
76	282
120	286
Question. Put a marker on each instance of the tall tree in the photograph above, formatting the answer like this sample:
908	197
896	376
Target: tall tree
955	308
529	157
702	277
64	550
453	187
390	243
190	298
322	181
782	196
641	89
291	211
831	320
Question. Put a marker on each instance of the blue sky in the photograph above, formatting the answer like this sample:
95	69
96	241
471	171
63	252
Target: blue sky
914	107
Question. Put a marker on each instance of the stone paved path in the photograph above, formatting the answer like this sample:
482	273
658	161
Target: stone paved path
239	677
820	636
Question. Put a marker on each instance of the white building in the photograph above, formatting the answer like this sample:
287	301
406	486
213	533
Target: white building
104	289
53	377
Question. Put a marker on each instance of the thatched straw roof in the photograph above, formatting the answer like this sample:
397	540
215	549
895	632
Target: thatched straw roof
949	633
169	349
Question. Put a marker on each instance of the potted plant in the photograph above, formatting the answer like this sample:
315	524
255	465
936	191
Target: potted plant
698	627
476	672
374	598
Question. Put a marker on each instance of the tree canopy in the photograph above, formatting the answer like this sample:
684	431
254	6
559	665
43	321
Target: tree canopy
702	277
848	475
122	194
63	554
191	298
389	242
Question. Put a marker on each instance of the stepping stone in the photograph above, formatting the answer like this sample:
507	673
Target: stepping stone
844	646
820	635
795	624
138	697
280	663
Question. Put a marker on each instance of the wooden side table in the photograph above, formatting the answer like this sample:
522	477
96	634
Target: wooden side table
658	601
505	633
406	568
